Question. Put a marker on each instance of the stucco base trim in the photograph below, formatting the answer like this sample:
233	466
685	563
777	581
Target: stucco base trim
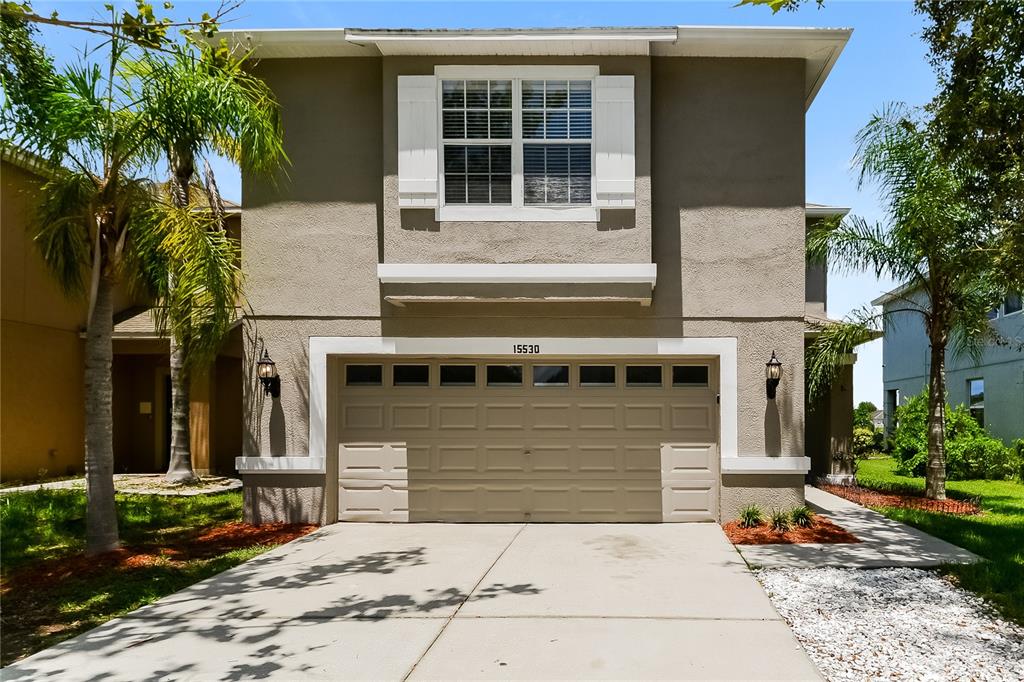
766	465
280	465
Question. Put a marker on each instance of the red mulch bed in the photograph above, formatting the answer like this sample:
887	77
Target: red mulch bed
821	531
875	498
209	543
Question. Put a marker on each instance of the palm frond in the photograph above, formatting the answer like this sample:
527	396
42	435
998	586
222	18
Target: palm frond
833	345
63	227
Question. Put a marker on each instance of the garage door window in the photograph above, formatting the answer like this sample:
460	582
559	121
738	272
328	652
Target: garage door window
551	375
364	375
504	375
643	375
411	375
690	375
597	375
458	375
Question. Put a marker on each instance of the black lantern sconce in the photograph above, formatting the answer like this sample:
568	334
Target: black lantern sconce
267	372
772	375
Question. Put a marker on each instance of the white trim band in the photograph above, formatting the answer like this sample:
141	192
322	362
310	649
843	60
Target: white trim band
766	465
280	465
517	273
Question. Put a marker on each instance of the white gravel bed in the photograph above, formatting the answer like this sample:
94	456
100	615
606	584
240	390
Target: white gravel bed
894	624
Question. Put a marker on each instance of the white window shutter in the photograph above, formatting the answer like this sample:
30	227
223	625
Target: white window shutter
417	142
615	163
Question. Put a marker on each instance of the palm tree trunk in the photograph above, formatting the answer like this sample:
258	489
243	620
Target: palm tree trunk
935	473
101	514
179	469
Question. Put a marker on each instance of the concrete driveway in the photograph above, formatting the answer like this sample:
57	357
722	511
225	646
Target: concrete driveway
438	601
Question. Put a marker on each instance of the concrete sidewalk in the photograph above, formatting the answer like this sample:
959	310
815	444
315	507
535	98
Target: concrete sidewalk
446	601
884	542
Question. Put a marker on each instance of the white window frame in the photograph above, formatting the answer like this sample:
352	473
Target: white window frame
518	211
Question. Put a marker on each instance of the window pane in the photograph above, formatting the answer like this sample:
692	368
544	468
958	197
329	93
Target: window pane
533	125
453	125
551	375
557	125
478	159
501	124
478	189
504	375
556	94
454	159
689	375
454	189
597	375
579	94
501	94
458	375
364	375
501	189
976	391
643	375
476	94
476	125
1012	304
533	94
453	94
411	375
579	189
501	160
579	124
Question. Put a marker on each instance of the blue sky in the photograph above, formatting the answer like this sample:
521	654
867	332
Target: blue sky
884	62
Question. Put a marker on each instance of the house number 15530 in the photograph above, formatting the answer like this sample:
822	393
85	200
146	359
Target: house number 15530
526	348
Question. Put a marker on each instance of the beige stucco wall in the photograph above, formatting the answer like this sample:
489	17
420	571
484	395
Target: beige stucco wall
41	385
726	168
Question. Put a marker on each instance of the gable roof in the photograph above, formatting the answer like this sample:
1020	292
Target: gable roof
818	47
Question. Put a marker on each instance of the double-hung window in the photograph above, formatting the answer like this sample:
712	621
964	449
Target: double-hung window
517	143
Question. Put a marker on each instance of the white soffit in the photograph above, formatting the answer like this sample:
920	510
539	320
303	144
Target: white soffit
517	273
820	47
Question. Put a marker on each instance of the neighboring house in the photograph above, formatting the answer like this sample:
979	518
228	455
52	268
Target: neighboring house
42	416
878	419
992	388
531	274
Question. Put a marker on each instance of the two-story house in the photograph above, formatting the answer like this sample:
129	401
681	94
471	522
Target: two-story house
991	386
538	274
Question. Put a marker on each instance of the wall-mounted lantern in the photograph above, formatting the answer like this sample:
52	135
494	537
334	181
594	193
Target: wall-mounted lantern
772	375
267	372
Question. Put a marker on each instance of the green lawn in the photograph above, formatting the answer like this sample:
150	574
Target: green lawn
51	591
997	534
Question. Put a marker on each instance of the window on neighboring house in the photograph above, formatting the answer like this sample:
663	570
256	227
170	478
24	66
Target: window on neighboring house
976	399
892	401
994	313
1012	304
517	142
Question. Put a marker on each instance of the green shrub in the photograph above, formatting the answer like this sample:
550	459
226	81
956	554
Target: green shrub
751	516
971	453
862	415
780	521
1018	450
863	442
802	516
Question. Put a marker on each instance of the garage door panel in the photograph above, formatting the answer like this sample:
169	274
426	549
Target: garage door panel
408	417
640	417
551	417
504	459
372	460
373	500
505	416
692	418
550	459
457	417
357	416
456	458
642	457
687	459
690	501
598	417
599	459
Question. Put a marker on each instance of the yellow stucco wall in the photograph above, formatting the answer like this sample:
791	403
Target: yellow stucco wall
41	415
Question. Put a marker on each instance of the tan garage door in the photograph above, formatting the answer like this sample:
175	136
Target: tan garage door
547	439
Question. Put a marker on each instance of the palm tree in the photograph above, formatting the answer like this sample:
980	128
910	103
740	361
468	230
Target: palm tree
198	102
935	241
96	220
